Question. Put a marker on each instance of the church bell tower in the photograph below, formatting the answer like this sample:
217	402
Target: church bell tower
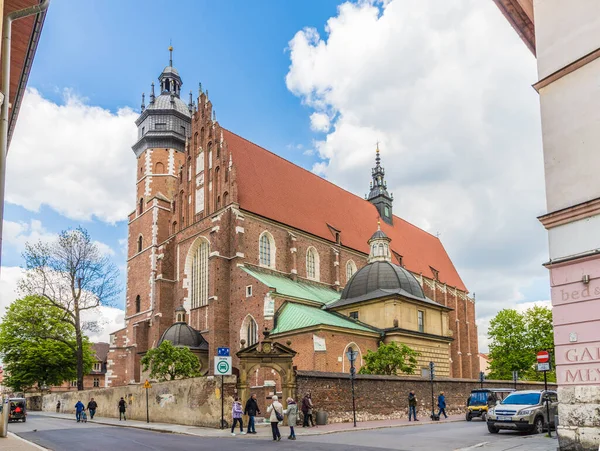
378	195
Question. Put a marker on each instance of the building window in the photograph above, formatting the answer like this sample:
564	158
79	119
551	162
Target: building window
197	272
420	321
143	131
350	270
96	382
312	263
225	196
353	315
141	206
249	331
73	383
249	291
266	253
226	175
386	211
140	243
138	304
159	168
97	367
174	229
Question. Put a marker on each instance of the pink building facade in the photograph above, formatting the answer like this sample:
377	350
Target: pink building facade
565	38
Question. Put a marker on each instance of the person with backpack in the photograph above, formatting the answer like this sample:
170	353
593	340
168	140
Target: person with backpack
276	411
92	406
292	414
122	409
236	415
79	407
251	410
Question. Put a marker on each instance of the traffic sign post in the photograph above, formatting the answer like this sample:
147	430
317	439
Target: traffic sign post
515	375
431	377
481	378
147	386
222	368
543	359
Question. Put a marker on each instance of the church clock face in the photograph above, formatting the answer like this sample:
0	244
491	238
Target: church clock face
266	348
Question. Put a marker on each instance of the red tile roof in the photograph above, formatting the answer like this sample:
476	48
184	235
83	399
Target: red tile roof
275	188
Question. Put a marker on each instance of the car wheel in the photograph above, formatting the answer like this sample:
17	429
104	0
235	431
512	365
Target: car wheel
469	418
484	416
538	426
493	429
24	420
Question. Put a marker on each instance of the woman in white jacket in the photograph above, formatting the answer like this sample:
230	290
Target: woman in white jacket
274	409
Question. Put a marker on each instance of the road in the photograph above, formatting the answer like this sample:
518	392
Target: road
66	435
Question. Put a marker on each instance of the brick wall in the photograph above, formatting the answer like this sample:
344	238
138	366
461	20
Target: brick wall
384	397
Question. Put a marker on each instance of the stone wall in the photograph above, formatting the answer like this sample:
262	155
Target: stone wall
384	397
579	422
192	402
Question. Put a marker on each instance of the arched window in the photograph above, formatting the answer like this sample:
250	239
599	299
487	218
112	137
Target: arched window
195	141
202	134
249	331
350	270
140	243
196	269
141	206
159	168
174	229
312	263
226	174
218	202
138	304
225	196
266	253
380	250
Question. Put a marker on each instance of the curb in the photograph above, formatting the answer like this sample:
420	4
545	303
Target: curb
309	434
35	445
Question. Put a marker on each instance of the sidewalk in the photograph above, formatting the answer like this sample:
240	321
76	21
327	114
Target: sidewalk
15	443
261	429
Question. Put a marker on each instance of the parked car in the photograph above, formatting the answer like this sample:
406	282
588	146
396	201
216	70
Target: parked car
524	411
17	409
483	399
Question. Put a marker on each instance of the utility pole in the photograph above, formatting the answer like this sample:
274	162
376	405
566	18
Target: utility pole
431	377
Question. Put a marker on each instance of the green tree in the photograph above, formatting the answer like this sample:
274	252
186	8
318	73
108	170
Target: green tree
73	275
389	359
37	346
168	362
515	340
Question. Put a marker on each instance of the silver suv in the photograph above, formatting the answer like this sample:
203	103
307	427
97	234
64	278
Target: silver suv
524	411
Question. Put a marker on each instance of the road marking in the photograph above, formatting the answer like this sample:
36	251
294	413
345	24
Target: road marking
479	445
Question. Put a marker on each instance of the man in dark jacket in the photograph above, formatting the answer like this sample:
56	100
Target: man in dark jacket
442	405
412	406
92	406
251	410
122	409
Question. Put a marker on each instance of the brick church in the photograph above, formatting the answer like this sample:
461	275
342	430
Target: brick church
229	239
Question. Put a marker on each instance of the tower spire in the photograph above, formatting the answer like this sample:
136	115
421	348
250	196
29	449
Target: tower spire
143	101
378	194
152	93
170	54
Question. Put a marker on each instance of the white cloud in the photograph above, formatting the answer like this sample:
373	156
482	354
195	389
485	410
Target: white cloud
73	157
446	89
17	234
108	319
320	122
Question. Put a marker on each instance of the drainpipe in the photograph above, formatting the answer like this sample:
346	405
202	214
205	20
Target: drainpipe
6	38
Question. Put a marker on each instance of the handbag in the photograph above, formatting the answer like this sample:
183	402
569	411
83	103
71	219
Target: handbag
278	415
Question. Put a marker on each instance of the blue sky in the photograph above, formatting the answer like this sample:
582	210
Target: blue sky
445	87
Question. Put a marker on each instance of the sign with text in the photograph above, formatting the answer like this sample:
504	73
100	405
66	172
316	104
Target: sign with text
222	366
543	366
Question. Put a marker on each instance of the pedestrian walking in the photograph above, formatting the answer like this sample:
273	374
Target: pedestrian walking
236	415
292	414
276	415
442	405
122	409
92	406
305	407
251	410
79	407
412	406
58	407
310	411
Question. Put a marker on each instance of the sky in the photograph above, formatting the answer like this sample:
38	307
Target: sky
445	87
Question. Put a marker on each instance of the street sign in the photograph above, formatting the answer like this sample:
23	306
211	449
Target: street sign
515	375
222	366
147	384
223	352
543	357
543	366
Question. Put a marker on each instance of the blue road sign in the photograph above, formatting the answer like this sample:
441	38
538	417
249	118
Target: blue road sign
223	352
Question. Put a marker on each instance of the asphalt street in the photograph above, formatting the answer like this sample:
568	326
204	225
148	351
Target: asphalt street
66	435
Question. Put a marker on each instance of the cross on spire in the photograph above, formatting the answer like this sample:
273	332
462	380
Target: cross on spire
170	54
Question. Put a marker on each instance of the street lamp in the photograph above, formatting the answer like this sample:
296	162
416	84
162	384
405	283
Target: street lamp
352	354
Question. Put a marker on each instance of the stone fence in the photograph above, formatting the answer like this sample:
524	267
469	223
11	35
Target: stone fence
386	397
194	402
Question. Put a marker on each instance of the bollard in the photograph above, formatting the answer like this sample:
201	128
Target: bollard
4	411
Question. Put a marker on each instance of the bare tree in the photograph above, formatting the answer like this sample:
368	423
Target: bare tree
72	274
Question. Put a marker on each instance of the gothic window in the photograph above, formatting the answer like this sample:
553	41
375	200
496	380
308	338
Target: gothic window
266	250
201	135
350	270
218	203
226	175
140	243
196	141
249	331
174	229
225	196
197	272
141	206
138	304
312	263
